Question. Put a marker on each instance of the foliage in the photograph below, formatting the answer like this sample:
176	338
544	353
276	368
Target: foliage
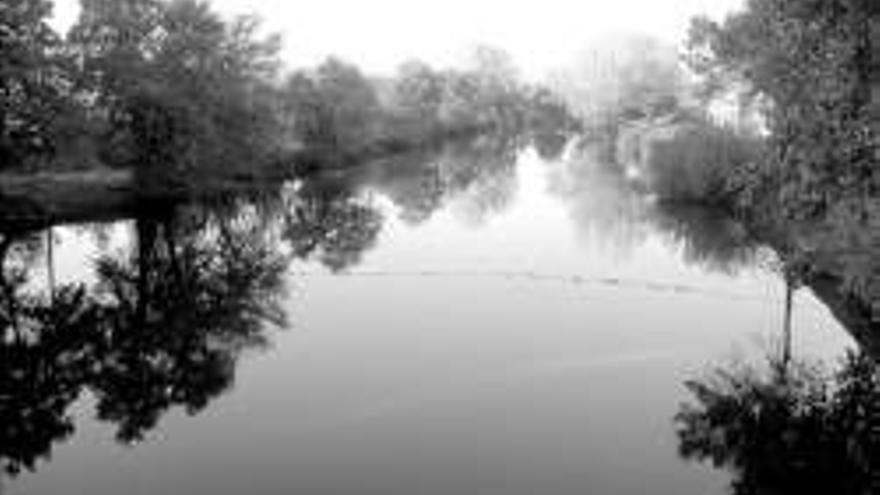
786	430
813	61
709	238
177	90
32	82
624	78
699	162
487	94
332	226
334	107
419	92
644	115
335	110
162	328
178	313
167	317
186	98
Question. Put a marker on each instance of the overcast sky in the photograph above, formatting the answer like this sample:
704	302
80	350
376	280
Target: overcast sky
379	34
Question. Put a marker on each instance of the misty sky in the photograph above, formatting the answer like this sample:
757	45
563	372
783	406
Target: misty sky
379	34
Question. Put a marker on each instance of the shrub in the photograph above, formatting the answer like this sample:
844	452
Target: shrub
700	162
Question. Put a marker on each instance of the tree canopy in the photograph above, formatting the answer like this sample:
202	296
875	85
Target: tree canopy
814	62
177	87
180	95
32	80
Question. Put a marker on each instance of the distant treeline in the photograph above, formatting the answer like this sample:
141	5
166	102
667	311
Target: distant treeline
177	93
338	113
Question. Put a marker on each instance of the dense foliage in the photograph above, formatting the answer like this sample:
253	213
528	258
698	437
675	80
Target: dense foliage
175	88
789	429
812	67
334	108
183	97
814	64
646	118
33	80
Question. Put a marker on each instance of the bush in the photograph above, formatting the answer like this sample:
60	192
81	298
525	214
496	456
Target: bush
700	162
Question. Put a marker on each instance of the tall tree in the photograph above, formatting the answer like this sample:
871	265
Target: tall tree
183	91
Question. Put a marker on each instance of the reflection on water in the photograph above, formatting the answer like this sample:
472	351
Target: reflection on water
787	428
162	326
331	226
503	314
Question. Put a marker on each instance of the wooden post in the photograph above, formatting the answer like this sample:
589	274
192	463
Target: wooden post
786	343
50	263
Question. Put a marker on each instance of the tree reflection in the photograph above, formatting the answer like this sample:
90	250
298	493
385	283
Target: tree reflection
415	184
331	225
788	428
43	367
43	358
163	327
603	206
550	145
481	176
178	313
608	208
168	316
477	176
710	239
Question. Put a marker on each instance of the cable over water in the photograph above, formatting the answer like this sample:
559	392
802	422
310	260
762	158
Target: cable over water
534	276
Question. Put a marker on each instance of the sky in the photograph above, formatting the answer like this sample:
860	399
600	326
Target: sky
379	34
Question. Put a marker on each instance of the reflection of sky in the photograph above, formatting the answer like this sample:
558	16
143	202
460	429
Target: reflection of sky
76	250
379	34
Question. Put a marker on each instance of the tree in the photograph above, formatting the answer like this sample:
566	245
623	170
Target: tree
813	61
418	95
182	92
624	79
495	69
352	101
498	99
335	108
32	78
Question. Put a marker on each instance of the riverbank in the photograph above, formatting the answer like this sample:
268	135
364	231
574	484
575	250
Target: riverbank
47	198
691	160
32	200
839	263
319	158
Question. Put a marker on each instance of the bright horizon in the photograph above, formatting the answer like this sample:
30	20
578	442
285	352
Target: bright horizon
378	35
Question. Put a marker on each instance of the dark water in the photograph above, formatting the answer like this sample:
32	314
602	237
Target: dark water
480	320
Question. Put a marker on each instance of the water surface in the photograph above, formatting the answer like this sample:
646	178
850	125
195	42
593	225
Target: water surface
486	319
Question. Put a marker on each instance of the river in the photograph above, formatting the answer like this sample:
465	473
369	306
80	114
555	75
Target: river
494	318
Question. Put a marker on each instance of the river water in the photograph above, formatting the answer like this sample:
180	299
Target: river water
486	319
